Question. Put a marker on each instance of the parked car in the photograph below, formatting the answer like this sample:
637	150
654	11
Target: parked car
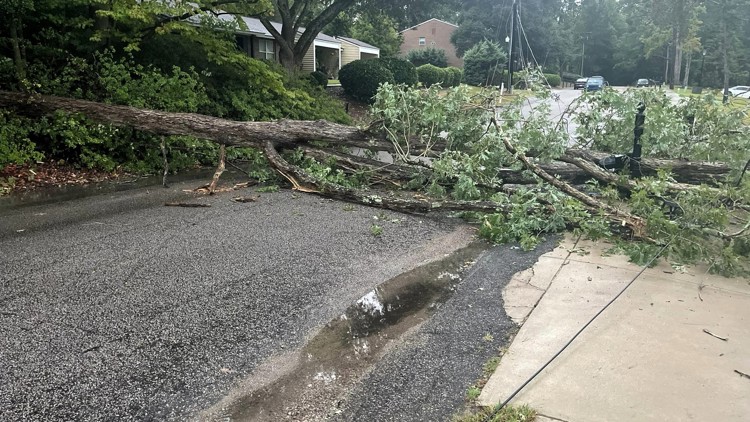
740	89
745	95
595	83
642	82
580	83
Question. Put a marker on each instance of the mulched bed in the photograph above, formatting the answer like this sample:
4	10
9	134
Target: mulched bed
21	178
356	109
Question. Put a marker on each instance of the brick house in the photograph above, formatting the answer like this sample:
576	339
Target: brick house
432	33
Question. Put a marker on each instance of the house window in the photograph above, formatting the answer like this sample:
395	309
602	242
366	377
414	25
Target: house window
266	50
433	31
422	41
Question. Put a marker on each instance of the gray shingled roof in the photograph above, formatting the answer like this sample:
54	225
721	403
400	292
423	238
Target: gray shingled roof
254	26
358	42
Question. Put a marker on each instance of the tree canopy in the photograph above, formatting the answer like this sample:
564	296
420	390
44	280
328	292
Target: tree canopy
621	40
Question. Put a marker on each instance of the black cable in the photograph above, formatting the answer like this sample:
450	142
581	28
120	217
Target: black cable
518	390
743	173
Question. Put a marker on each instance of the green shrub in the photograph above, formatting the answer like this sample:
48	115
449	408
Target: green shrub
361	78
457	75
319	78
404	72
552	79
430	75
483	64
15	145
447	77
423	56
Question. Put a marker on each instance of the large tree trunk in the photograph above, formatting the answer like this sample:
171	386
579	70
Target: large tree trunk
15	40
295	133
686	78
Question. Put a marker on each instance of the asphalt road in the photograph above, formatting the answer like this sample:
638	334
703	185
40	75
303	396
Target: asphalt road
426	377
115	307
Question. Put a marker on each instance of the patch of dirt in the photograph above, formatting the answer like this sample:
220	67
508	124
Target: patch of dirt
358	110
22	178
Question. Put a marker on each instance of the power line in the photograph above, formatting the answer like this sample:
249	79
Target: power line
518	390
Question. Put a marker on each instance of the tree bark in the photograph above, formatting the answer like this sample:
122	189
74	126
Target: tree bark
295	133
228	132
15	40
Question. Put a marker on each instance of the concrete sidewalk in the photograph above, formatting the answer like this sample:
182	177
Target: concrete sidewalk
646	358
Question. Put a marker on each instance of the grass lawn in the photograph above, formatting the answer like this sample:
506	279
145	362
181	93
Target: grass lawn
475	91
507	414
734	102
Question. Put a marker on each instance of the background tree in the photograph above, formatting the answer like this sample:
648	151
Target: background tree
301	21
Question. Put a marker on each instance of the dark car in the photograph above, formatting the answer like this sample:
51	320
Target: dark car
580	83
595	83
642	82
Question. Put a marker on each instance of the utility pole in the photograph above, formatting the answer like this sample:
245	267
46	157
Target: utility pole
666	69
583	51
510	47
724	44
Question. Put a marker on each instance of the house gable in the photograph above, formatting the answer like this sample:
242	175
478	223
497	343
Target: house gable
432	33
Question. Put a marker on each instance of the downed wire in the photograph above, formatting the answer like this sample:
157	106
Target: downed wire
518	390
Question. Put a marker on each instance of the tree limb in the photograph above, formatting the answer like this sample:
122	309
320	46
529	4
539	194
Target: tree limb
636	224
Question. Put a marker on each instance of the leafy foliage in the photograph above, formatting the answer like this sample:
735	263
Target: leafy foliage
403	71
430	75
483	63
135	55
319	78
700	225
15	145
378	29
361	78
699	128
552	79
430	55
457	75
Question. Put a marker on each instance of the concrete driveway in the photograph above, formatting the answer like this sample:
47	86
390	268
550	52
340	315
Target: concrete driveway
674	347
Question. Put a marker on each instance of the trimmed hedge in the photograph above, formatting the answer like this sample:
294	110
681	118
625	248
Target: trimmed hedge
423	56
319	78
552	79
430	75
361	78
404	72
457	74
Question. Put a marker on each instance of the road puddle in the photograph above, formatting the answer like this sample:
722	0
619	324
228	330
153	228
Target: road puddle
330	364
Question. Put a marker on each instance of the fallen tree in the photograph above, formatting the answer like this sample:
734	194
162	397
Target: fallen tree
457	156
293	133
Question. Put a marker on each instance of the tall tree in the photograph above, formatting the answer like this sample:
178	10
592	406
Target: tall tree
301	21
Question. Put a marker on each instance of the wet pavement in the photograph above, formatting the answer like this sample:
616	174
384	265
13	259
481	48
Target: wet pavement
117	307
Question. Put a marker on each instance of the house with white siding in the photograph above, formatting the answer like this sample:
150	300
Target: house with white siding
353	49
327	53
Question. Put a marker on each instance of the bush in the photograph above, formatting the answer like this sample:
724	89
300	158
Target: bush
552	79
319	78
15	145
430	75
447	77
423	56
361	78
404	72
457	75
483	62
